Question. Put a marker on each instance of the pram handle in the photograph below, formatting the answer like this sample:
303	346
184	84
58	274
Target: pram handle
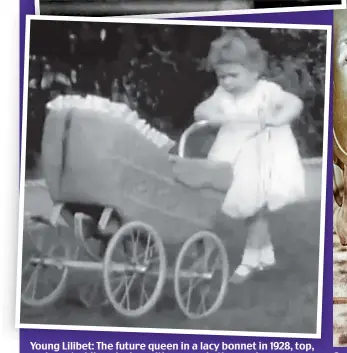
190	130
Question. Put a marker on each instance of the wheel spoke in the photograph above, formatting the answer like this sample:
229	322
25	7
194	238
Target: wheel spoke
192	285
117	278
26	267
121	251
217	264
189	293
33	281
195	265
207	254
128	286
143	293
76	252
124	279
146	253
134	240
102	247
153	260
148	248
202	303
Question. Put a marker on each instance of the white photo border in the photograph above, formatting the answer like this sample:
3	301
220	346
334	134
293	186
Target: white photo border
327	103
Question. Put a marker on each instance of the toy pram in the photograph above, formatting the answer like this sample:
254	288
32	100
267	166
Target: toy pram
113	179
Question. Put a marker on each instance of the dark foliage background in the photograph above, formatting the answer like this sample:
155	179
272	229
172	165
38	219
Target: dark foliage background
160	71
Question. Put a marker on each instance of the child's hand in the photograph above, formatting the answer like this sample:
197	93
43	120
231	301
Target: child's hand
200	117
213	121
244	121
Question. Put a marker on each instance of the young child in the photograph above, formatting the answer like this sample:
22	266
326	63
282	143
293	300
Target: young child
256	138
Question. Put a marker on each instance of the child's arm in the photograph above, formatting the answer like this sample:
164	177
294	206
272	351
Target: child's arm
287	107
210	109
287	110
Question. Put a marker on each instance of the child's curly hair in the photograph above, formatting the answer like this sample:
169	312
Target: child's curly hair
237	46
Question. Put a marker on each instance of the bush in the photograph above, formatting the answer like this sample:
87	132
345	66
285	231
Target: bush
160	71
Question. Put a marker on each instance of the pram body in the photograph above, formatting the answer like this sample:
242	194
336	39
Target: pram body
112	178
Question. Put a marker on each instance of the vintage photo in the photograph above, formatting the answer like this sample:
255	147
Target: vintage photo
174	176
340	178
139	7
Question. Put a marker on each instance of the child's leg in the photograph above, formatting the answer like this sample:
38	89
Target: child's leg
267	253
258	252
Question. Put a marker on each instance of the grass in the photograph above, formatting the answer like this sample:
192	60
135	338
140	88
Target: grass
283	299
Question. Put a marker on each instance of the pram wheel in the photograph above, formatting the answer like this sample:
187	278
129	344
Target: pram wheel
44	275
201	275
134	275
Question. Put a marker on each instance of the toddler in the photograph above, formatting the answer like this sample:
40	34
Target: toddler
256	138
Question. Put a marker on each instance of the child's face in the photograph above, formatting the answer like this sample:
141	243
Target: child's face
235	78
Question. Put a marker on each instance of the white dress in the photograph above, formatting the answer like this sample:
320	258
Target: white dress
268	170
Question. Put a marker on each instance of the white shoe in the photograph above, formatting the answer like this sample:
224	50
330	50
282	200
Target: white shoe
242	273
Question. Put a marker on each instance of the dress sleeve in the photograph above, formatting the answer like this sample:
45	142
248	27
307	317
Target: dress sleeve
273	94
211	109
274	98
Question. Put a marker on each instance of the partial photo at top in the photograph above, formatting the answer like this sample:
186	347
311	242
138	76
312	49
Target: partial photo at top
173	176
147	7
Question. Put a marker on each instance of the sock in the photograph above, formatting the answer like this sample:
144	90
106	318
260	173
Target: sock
251	258
267	255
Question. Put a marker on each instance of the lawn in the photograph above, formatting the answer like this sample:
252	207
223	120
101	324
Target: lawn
283	299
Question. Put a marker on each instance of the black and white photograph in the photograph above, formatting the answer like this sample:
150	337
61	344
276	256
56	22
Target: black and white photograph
146	7
174	176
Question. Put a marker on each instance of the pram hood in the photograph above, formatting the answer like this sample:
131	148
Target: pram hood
110	110
102	154
81	139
